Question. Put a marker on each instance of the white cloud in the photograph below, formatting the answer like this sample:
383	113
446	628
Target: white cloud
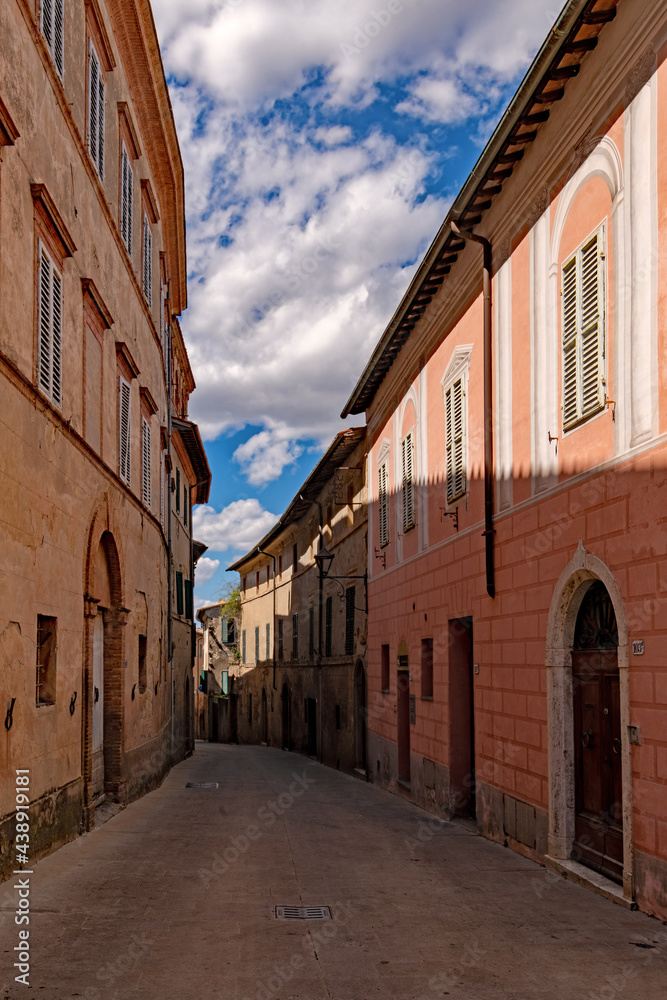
264	456
238	526
205	570
321	228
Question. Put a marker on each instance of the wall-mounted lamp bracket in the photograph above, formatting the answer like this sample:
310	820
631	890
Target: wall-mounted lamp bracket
454	514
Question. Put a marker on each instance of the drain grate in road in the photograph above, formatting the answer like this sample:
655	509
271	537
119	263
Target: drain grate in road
303	913
201	784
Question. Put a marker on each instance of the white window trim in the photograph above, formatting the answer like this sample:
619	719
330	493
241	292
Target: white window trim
581	416
458	369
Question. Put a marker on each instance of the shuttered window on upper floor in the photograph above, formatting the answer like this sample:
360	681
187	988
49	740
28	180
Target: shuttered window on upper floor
407	462
52	27
147	260
383	504
349	621
96	110
145	462
583	331
50	321
455	443
126	198
124	430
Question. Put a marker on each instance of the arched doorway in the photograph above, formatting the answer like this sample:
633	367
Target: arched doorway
360	716
598	834
264	719
286	713
104	619
575	756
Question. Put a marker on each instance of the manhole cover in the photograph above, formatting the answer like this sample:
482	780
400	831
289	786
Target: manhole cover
201	784
304	913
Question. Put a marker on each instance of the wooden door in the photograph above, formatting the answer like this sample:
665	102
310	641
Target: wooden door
98	705
598	839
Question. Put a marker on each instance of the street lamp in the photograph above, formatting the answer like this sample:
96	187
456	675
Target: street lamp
324	558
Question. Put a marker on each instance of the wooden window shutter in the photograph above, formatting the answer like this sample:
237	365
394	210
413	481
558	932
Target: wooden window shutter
186	505
93	99
383	504
188	599
455	440
295	635
243	650
50	316
59	35
46	21
280	639
349	621
583	331
178	491
268	641
179	593
145	462
126	199
162	471
408	483
147	260
256	643
124	430
311	631
328	626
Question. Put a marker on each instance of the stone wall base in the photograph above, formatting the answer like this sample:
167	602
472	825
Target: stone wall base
651	884
55	819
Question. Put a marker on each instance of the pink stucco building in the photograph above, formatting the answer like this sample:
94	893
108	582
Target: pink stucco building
517	468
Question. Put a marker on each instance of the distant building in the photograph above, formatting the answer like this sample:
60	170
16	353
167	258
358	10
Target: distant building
301	680
517	462
92	278
219	660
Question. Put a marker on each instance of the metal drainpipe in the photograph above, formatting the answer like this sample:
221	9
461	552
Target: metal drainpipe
319	626
489	530
170	597
273	627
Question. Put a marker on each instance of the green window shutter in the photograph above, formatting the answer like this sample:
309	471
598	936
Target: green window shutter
188	599
243	645
225	629
179	593
178	491
224	681
328	626
268	641
349	621
311	631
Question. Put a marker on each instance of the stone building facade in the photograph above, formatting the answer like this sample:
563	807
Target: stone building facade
301	681
517	461
92	276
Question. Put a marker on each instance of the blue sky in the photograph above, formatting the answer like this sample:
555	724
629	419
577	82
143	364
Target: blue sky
323	142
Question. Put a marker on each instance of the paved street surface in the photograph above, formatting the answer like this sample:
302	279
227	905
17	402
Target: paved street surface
175	896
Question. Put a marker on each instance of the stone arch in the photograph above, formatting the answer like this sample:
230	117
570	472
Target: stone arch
604	161
568	595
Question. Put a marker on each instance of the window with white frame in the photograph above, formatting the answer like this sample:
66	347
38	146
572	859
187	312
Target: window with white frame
407	466
50	319
383	504
454	389
52	27
583	324
147	260
96	111
145	462
124	431
126	198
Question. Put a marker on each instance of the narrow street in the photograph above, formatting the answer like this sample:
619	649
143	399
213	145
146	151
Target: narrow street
174	898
